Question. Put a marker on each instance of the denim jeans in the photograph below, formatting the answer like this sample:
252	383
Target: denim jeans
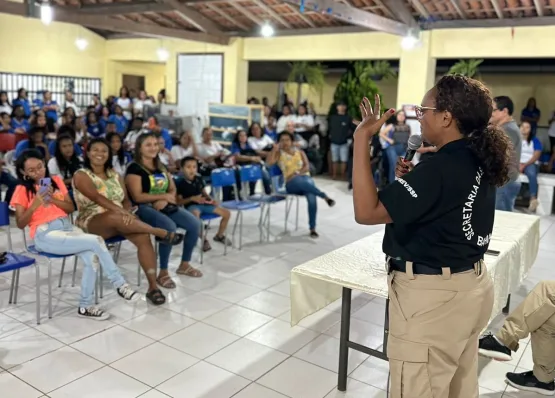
304	185
531	172
10	182
180	219
392	153
506	196
62	238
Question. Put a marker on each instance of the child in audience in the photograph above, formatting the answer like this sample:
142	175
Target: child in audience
94	128
44	209
191	193
65	161
166	157
120	158
119	120
5	123
20	125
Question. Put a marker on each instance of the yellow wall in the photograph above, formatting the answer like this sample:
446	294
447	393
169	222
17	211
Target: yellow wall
144	50
154	73
28	46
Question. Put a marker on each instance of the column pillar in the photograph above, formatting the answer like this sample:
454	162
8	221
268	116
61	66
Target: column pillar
417	71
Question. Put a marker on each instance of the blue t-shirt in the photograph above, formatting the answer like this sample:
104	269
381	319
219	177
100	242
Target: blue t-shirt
95	130
236	149
25	104
271	133
168	144
52	149
120	122
535	113
49	114
24	124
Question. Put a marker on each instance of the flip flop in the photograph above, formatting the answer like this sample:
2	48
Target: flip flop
166	282
189	271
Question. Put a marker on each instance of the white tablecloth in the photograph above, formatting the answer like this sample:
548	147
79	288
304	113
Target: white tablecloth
361	266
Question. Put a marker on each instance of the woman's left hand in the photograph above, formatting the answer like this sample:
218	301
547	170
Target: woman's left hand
371	120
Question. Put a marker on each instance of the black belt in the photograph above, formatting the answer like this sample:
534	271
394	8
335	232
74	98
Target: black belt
423	269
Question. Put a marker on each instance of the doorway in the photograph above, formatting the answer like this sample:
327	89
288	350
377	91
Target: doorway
134	83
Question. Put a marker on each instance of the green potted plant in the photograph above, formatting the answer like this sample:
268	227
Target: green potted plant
379	70
466	67
307	72
354	85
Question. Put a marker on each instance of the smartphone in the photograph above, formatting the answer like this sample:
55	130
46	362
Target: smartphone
45	184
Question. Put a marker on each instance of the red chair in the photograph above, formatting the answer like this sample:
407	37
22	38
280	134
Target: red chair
8	142
20	137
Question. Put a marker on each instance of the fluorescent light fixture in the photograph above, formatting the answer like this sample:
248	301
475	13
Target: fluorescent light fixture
409	42
163	54
46	13
267	30
81	43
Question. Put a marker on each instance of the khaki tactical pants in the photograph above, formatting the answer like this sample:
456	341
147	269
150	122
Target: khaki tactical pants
535	316
434	325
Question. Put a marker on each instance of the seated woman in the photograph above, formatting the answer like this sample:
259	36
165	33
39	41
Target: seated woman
294	166
529	157
35	141
191	193
211	152
165	156
119	120
187	147
120	158
259	141
65	161
20	125
105	210
94	128
45	209
70	119
153	189
245	154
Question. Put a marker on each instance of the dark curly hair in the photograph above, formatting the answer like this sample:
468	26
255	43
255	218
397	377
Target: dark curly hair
87	161
470	103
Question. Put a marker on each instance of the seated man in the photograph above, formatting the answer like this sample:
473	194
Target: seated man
191	194
535	316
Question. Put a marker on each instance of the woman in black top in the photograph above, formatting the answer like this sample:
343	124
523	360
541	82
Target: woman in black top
439	219
153	189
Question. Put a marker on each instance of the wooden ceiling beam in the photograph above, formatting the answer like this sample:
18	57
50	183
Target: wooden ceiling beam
355	16
457	7
246	13
192	16
400	10
539	7
497	8
115	25
420	8
268	10
123	8
226	16
305	19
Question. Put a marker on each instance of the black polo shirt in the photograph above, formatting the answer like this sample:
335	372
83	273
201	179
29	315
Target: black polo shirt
340	129
188	188
442	211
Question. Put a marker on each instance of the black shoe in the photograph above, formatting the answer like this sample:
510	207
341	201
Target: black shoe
330	202
93	312
527	382
488	346
350	186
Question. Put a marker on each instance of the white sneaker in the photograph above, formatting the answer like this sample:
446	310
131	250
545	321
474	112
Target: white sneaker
93	313
127	293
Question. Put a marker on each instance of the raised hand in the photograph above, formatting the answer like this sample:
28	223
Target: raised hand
371	121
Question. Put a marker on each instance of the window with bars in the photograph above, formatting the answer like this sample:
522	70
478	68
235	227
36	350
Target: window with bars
83	88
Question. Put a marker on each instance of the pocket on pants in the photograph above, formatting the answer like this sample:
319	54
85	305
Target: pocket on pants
408	364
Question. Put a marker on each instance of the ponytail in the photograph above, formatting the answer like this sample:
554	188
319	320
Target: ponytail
495	152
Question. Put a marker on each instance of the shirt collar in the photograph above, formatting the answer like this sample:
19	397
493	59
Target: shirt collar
454	146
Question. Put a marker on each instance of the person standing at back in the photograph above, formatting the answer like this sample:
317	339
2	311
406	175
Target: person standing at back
502	116
340	132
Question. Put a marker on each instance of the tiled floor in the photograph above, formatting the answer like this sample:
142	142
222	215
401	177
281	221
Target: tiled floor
224	335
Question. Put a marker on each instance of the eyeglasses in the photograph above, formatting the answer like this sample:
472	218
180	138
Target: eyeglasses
40	167
421	109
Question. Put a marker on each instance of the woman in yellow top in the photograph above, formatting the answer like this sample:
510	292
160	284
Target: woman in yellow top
294	165
105	210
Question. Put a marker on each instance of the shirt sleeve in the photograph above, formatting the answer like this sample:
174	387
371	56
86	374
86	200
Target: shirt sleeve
537	144
61	186
134	169
408	199
235	149
167	139
20	197
53	168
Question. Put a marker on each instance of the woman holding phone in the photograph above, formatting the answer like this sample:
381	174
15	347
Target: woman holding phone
105	210
44	209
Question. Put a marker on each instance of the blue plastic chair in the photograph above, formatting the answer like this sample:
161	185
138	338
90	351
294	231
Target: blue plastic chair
278	187
226	178
252	174
15	262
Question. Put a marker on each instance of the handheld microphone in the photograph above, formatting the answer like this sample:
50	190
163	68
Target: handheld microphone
415	141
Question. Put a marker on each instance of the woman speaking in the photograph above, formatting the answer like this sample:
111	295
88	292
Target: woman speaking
439	219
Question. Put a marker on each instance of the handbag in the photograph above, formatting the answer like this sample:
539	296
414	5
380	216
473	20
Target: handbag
169	209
